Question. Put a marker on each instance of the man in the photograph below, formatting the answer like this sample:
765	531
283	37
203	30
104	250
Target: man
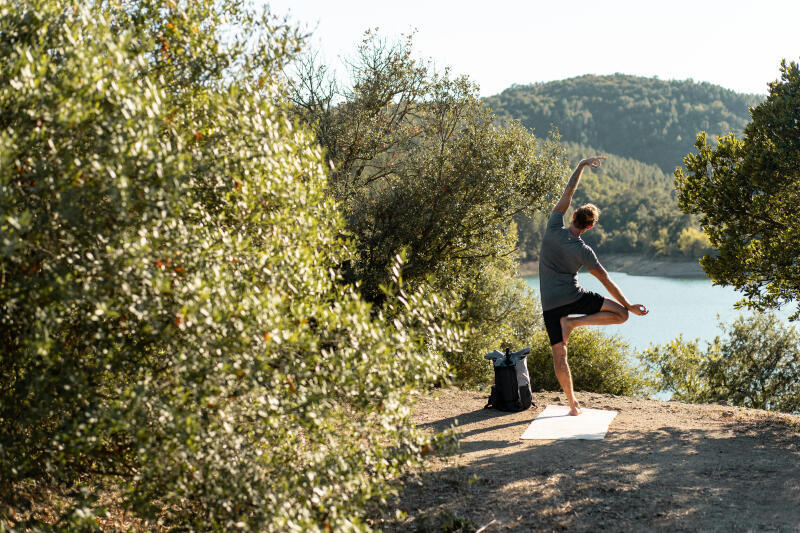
563	253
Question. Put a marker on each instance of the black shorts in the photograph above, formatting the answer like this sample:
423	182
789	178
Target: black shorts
588	304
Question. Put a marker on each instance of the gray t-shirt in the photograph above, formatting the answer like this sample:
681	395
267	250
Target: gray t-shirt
561	257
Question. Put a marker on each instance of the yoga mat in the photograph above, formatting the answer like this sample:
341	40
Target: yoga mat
556	423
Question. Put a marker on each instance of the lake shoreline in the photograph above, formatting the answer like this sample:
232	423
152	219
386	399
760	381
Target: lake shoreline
636	265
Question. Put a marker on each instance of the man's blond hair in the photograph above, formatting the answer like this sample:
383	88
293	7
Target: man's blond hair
586	216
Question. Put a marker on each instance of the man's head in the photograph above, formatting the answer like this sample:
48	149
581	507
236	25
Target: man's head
585	216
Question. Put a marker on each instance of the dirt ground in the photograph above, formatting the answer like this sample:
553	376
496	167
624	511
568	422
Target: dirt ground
663	466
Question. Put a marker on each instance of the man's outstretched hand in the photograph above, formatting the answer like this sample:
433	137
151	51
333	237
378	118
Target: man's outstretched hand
638	309
593	162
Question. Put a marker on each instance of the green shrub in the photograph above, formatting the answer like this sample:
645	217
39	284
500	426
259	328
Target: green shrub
170	316
755	364
599	363
501	310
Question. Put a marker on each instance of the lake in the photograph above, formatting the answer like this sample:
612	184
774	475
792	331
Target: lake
688	306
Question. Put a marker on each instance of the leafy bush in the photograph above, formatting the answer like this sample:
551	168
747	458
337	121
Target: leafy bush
170	316
599	363
502	311
756	364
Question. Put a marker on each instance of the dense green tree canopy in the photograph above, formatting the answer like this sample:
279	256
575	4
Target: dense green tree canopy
419	163
746	193
642	118
172	324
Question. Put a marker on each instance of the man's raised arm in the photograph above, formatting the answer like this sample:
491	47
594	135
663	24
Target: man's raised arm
572	185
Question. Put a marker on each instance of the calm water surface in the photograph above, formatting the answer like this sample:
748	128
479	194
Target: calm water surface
677	306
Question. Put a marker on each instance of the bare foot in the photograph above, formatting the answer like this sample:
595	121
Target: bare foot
575	409
566	329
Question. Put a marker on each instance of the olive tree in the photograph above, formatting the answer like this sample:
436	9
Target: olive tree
172	322
419	162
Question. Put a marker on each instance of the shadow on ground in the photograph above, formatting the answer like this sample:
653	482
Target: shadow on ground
742	476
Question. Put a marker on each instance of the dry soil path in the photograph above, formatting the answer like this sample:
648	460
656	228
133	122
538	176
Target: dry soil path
663	466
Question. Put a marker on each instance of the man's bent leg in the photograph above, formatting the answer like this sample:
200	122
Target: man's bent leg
610	313
564	376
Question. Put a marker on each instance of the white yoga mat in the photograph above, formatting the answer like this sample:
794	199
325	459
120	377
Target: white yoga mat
556	423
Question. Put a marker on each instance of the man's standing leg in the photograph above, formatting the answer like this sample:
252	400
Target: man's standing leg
565	376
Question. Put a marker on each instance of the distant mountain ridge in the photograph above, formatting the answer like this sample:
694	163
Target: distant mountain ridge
647	119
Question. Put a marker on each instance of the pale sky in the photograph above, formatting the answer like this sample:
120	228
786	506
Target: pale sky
736	44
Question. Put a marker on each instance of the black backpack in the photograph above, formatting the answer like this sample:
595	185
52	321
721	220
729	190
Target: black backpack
512	384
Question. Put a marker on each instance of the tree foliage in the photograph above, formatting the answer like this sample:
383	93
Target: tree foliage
420	164
646	119
746	192
171	319
756	364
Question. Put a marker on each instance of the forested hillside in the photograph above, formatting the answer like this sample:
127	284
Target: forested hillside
648	119
645	126
639	213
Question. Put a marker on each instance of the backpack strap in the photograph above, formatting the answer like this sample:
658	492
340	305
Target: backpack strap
492	402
